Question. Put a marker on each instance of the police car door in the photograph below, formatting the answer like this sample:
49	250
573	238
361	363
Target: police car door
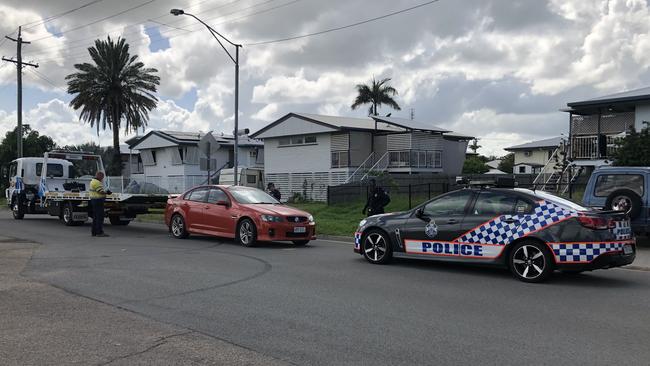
439	221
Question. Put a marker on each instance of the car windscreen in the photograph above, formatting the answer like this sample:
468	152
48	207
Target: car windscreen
251	196
559	201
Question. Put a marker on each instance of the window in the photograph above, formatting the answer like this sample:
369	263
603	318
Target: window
608	183
550	154
494	204
13	169
297	140
251	179
148	157
197	195
340	159
522	169
53	170
528	153
253	153
449	205
437	161
217	195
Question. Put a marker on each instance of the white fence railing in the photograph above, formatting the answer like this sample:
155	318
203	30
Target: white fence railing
139	184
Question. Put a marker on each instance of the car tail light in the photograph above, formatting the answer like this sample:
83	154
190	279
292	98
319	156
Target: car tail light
595	222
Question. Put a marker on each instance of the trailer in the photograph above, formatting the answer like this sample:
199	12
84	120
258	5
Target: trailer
58	185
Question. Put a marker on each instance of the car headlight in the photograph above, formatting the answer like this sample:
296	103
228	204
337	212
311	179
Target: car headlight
310	218
271	218
363	222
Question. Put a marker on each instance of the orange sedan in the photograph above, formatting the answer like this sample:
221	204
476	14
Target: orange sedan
245	214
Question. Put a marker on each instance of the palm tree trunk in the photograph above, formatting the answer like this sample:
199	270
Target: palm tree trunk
116	166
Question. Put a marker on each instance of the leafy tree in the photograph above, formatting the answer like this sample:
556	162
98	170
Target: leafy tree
115	91
107	154
34	145
634	149
376	94
507	163
475	165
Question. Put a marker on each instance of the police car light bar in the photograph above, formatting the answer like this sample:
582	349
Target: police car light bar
499	182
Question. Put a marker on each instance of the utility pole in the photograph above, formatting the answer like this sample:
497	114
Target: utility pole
19	83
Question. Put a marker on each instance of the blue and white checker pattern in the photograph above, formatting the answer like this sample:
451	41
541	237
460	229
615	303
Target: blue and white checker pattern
583	252
499	232
357	240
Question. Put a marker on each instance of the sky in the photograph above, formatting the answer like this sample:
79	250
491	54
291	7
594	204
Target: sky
499	70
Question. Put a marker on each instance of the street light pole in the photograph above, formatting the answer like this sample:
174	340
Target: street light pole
216	36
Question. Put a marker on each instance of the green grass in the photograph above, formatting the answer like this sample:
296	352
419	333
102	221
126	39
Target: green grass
3	203
155	215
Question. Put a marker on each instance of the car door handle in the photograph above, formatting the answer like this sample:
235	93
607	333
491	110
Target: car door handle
511	221
452	221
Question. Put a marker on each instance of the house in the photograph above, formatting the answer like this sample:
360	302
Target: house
306	153
170	159
595	124
532	157
493	164
131	161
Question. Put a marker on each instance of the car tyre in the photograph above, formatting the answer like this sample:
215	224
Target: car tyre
376	247
624	200
301	243
246	233
177	227
530	261
17	209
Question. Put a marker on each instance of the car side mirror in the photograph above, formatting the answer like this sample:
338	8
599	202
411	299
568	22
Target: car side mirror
419	213
223	203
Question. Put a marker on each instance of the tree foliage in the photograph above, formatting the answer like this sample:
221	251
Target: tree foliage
634	149
507	163
115	91
475	165
474	146
34	145
376	94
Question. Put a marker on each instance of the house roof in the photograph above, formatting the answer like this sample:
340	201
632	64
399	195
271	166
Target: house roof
410	124
534	165
457	136
539	144
192	138
384	124
621	100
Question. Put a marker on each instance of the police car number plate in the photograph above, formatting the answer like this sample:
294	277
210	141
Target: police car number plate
627	249
300	229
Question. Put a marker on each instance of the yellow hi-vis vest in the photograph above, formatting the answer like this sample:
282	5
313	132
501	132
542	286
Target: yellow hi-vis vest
96	189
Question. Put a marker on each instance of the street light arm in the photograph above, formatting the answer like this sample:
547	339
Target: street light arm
216	34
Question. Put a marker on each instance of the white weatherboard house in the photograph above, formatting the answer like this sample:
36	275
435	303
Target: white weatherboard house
305	153
532	157
170	159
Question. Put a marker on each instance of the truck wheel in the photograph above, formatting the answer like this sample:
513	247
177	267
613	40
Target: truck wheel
116	221
624	200
18	209
68	210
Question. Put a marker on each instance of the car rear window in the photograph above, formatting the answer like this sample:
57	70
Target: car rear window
608	183
559	201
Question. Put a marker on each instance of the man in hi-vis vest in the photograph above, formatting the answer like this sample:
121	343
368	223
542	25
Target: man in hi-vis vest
97	197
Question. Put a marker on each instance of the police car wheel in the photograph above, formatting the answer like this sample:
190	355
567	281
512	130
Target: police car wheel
246	233
177	227
376	247
530	261
18	210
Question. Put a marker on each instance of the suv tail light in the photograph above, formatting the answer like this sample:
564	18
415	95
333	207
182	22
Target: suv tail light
596	222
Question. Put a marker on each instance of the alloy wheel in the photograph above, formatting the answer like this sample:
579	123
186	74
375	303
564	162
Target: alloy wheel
529	262
245	233
375	247
622	203
177	226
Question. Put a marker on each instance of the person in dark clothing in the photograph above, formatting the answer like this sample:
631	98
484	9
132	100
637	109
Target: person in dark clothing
377	200
274	192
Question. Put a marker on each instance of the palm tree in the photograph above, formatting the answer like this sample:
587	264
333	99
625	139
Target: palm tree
115	89
376	94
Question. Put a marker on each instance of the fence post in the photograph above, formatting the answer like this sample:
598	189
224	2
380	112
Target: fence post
328	196
429	190
410	197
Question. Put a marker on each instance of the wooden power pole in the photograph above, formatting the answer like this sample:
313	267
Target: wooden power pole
19	82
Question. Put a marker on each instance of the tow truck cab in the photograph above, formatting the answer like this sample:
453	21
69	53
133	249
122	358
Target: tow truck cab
24	178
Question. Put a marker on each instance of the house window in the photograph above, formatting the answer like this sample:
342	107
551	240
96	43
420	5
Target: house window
252	154
522	170
550	154
437	162
528	153
297	140
340	159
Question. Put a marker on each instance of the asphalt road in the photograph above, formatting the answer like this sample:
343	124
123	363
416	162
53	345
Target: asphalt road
324	305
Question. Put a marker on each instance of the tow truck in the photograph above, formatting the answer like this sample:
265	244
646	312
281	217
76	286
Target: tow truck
58	184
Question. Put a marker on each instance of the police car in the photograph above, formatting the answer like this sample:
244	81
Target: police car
530	232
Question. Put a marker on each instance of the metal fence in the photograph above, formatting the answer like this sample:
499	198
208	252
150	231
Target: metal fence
411	195
140	184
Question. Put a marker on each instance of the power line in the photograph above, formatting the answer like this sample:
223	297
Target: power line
47	80
95	21
59	15
342	27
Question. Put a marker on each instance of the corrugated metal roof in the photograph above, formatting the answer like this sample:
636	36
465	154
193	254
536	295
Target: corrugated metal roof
552	142
350	122
411	124
630	95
